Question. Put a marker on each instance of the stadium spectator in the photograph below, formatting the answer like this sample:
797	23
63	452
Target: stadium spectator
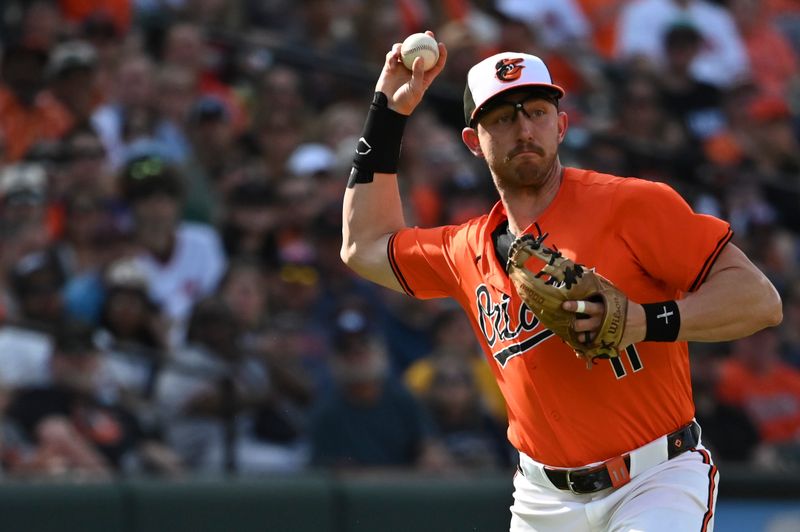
727	428
211	394
90	241
186	46
41	25
281	89
27	114
370	420
214	155
453	339
655	144
24	191
131	114
132	333
98	29
643	23
88	435
276	137
757	380
26	341
183	261
775	155
472	436
244	290
561	22
696	103
70	75
83	166
282	419
249	222
37	281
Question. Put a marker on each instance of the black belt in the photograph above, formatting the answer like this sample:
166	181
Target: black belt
592	479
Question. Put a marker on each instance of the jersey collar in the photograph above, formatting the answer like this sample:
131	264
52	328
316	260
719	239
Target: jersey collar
492	271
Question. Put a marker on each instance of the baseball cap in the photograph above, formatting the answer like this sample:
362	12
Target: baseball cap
208	109
311	158
127	273
23	183
501	73
69	56
150	175
37	272
352	329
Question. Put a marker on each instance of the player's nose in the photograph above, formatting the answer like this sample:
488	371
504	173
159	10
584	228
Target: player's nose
525	126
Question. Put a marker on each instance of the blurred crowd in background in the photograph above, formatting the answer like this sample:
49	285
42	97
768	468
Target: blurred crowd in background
172	300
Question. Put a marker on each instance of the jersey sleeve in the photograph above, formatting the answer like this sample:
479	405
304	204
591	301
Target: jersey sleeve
671	242
422	263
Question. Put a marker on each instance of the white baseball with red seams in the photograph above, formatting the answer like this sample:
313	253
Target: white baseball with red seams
419	45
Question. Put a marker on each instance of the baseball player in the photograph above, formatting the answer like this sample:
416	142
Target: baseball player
615	447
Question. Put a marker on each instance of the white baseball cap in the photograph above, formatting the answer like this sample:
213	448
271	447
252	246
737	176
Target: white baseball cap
500	73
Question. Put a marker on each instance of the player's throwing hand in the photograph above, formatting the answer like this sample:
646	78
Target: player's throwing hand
404	88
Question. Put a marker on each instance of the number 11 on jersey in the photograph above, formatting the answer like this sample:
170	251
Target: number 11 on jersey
633	359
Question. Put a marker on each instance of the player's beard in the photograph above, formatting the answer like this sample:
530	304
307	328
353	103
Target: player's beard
530	174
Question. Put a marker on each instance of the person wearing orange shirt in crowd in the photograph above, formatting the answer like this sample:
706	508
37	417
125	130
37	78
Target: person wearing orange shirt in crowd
755	379
613	448
27	114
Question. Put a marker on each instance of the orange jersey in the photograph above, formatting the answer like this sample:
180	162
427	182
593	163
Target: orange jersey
639	234
21	127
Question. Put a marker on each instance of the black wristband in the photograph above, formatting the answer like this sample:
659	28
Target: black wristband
378	149
663	321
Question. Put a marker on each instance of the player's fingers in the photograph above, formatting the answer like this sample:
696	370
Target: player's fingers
418	68
393	55
439	62
417	82
586	324
583	307
434	71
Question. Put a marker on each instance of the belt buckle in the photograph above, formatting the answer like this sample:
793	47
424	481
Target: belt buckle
570	485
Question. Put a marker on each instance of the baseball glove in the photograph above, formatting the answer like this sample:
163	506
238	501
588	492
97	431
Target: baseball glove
561	280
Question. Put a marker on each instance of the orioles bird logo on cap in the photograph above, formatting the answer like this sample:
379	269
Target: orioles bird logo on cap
509	69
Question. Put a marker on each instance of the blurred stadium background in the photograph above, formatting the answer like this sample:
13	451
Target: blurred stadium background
180	346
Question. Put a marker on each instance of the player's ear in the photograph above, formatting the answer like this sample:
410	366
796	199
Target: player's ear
470	138
563	125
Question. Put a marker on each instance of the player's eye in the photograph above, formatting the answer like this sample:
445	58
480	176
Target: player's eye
505	117
533	109
501	116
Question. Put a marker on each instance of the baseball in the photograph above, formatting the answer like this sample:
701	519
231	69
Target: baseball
419	45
